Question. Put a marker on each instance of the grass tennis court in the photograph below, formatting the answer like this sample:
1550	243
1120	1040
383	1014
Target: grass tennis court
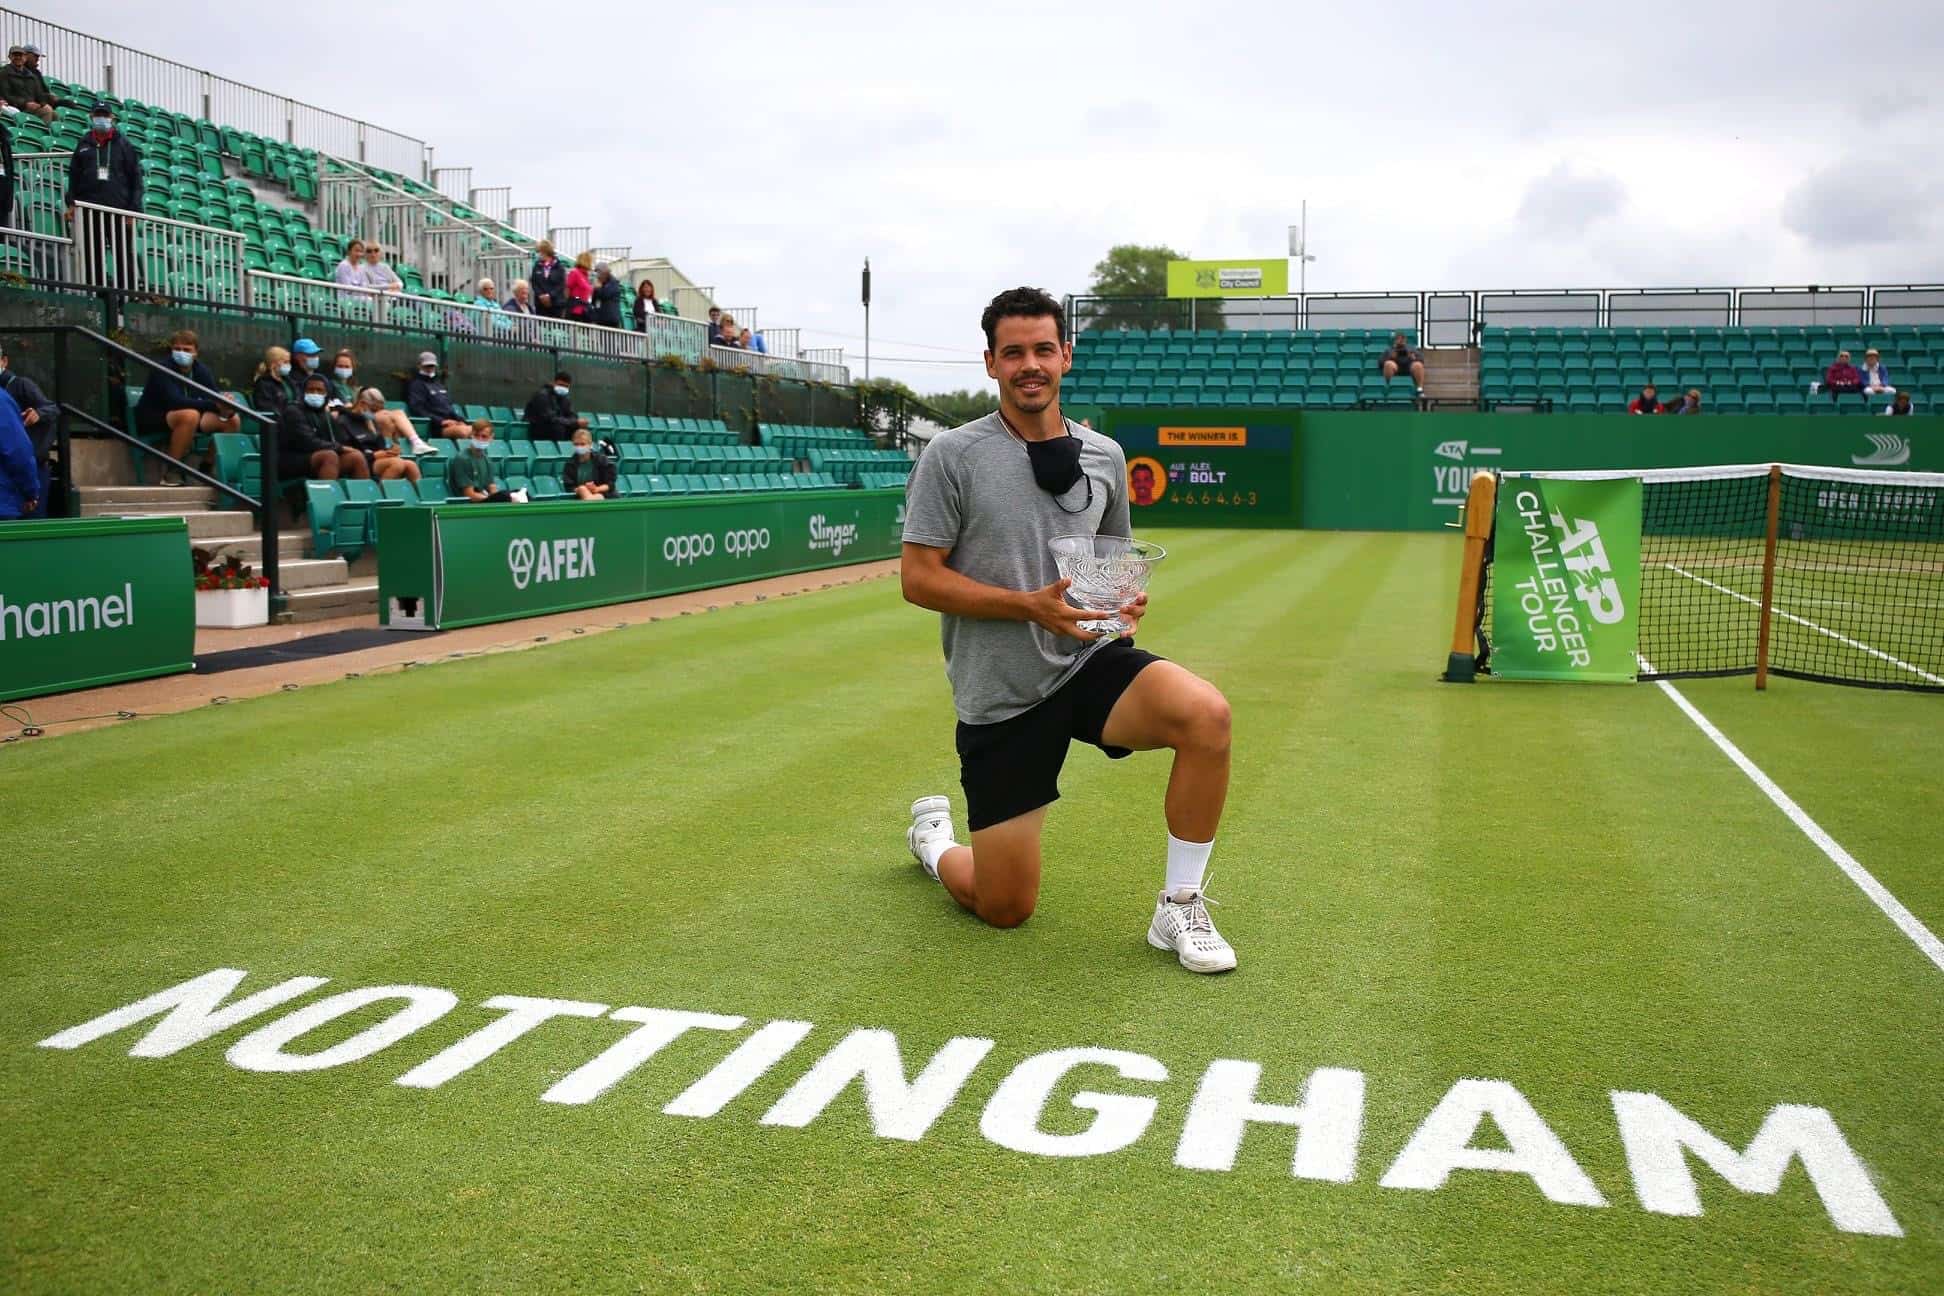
1568	890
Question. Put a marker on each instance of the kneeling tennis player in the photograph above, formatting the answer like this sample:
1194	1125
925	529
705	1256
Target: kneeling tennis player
984	501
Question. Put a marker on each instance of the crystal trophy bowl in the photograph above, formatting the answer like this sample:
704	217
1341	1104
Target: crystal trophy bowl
1106	572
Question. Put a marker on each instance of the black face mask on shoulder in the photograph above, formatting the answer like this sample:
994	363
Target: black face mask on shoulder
1056	463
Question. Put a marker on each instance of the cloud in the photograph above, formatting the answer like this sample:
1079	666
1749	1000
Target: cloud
1859	202
1566	202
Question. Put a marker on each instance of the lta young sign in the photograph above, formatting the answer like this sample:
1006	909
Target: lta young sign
1321	1114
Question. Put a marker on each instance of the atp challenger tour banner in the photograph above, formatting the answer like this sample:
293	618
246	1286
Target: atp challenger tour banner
92	601
464	564
1566	579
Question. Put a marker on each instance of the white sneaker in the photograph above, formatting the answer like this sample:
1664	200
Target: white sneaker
1181	923
931	821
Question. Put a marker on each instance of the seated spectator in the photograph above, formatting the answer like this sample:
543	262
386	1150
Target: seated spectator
38	415
304	355
426	398
727	331
1690	403
1401	359
715	326
520	301
549	280
588	474
310	442
486	295
272	388
350	271
754	342
580	289
1899	405
1648	402
23	86
1842	377
394	425
379	275
469	474
550	414
645	304
19	480
358	422
1875	377
343	389
172	410
607	296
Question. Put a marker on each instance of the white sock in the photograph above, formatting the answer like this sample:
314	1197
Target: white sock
1187	861
932	851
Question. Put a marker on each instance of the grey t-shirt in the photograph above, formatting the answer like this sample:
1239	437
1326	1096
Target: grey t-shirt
973	492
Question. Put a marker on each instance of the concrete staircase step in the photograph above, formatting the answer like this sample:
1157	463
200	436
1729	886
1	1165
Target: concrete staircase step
201	525
313	574
249	547
139	499
354	598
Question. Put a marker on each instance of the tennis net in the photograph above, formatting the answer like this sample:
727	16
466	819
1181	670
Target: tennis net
1827	574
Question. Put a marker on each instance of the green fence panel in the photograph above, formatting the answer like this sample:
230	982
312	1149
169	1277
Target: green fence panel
457	565
735	402
608	386
679	393
489	373
93	601
785	400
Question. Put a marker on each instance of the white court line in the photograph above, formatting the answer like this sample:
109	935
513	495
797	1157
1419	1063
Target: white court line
1878	653
1907	922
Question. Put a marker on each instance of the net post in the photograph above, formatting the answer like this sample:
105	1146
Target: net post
1768	575
1480	502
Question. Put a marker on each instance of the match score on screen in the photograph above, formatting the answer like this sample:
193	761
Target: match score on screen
1207	467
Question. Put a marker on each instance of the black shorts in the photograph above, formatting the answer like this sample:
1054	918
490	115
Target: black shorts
1013	766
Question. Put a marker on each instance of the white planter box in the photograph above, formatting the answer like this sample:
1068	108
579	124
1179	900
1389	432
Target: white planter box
233	608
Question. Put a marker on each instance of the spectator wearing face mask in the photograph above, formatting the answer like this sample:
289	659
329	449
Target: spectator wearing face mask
312	443
38	415
549	281
346	391
427	398
550	414
306	357
105	170
273	388
23	86
607	296
358	421
588	474
173	411
469	474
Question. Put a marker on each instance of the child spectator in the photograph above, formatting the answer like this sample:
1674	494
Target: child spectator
588	474
1648	402
470	473
1899	405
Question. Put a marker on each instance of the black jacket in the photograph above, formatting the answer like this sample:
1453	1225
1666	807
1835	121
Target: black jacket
28	395
607	302
270	393
360	432
553	283
597	470
123	187
427	398
163	392
20	87
550	417
301	433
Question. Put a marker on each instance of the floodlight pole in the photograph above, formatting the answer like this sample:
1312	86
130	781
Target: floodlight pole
1299	251
867	319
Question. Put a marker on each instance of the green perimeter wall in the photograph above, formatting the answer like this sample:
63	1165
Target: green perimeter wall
1406	471
498	562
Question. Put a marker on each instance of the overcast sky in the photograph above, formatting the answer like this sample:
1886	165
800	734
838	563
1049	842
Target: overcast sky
768	148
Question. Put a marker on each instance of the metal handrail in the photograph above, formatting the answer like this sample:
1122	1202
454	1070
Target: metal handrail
267	448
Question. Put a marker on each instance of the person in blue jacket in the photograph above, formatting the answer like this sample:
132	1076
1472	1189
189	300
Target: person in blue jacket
19	478
173	410
39	414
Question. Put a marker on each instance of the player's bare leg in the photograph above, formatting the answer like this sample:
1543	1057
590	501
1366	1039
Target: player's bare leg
997	877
